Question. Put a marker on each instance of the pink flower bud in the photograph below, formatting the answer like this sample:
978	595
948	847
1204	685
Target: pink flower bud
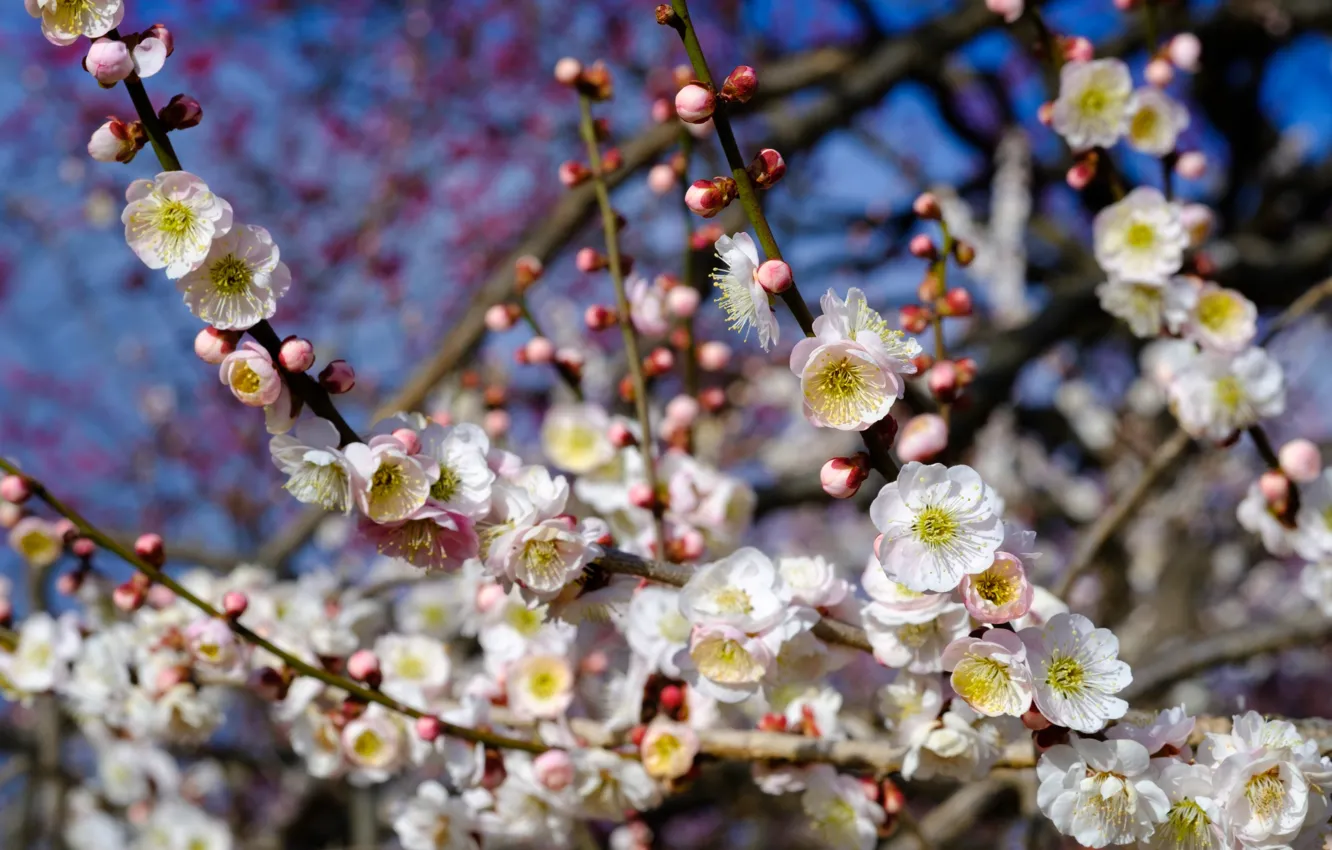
1191	165
570	359
573	173
363	666
620	435
109	61
127	597
151	549
841	477
589	260
337	377
659	361
1080	174
922	438
942	380
1045	113
411	441
709	197
428	728
926	206
1159	73
1010	9
65	528
692	545
82	547
775	276
1197	220
641	495
712	399
740	84
662	110
1184	51
662	178
554	769
496	423
181	113
682	301
499	318
527	270
767	168
68	584
116	141
695	103
161	33
922	246
296	354
213	345
714	356
567	71
958	302
1125	5
1301	461
1275	488
1034	720
913	318
1078	49
682	408
15	489
489	597
234	603
161	597
539	350
598	317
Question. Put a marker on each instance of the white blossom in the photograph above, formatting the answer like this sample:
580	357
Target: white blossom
1140	237
1155	120
389	484
919	647
575	437
1215	395
1092	107
961	745
840	814
318	473
63	21
910	705
745	302
1077	672
415	668
238	283
434	819
1100	792
172	220
990	672
1216	318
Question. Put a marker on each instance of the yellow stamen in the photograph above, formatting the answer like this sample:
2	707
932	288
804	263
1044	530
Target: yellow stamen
935	527
231	275
244	379
1065	675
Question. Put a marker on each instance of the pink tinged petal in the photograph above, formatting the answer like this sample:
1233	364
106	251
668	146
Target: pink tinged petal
956	651
149	56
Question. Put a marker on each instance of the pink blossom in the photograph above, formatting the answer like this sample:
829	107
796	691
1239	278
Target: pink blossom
1000	594
251	376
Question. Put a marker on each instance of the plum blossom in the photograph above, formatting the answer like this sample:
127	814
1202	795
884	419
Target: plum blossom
239	281
434	819
1101	792
961	744
64	21
1215	395
172	220
1092	107
251	375
1155	120
388	484
917	646
1140	238
1216	318
746	303
990	672
1001	594
1077	672
540	686
318	473
668	748
574	437
840	814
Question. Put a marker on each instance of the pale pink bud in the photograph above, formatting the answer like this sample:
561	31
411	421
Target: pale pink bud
740	84
620	435
363	666
767	168
1010	9
82	547
213	345
841	477
234	603
181	113
109	61
15	489
1275	488
161	33
942	380
411	441
496	423
682	409
1197	220
598	317
712	399
10	514
1191	165
573	173
661	178
1080	174
570	358
499	318
682	301
1184	51
429	728
64	528
6	611
68	584
590	260
922	438
489	597
160	596
709	197
1034	720
1078	49
1300	461
641	495
775	276
554	769
1159	73
539	350
296	354
926	206
1045	113
714	356
692	546
659	361
662	110
151	549
695	103
116	141
337	377
128	597
568	70
922	246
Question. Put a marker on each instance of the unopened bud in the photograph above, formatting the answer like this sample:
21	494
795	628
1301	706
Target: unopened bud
913	318
539	350
891	797
682	301
922	247
363	666
957	302
337	377
527	270
671	697
296	354
128	597
1034	720
740	84
712	399
641	496
683	409
109	61
1184	51
930	289
775	276
496	423
567	71
611	160
1159	73
709	197
572	173
68	584
411	441
942	380
117	141
234	603
1191	165
15	489
1010	9
213	345
926	206
501	317
620	435
1300	460
661	178
596	81
666	15
82	547
767	168
964	253
161	33
554	769
695	103
598	317
841	477
589	260
1045	113
658	362
1078	49
181	113
1275	488
428	728
922	438
151	549
1081	174
714	356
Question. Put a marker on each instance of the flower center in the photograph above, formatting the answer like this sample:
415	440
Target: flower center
1189	826
1065	675
1145	299
1144	124
982	681
524	621
995	588
544	685
726	661
447	485
935	526
1139	236
542	558
37	546
1266	793
367	745
175	219
387	478
1229	393
324	484
841	392
732	600
1216	310
443	834
411	667
246	380
1113	813
1093	101
231	275
914	635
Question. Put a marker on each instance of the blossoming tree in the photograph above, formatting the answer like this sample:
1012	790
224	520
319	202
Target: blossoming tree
577	619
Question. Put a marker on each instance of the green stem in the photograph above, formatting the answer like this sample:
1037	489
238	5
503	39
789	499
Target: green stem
634	361
294	663
940	272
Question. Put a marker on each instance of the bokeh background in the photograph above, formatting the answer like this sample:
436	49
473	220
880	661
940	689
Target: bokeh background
402	153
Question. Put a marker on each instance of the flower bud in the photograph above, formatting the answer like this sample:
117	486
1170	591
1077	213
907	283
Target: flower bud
1078	49
914	319
957	302
429	728
841	477
658	362
234	603
1191	165
598	317
570	360
641	496
891	798
411	441
942	380
572	173
713	356
496	423
922	247
15	489
661	178
692	545
671	697
1045	113
1184	51
213	345
1081	173
611	160
596	81
620	435
151	549
740	84
1159	73
554	769
363	666
65	529
683	409
926	206
296	354
82	547
589	260
767	168
501	317
68	584
1010	9
709	197
116	141
568	71
775	276
527	270
1275	488
1034	720
128	597
109	61
539	350
337	377
772	722
1299	459
181	113
712	399
682	301
922	438
695	103
964	253
662	110
161	33
930	288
